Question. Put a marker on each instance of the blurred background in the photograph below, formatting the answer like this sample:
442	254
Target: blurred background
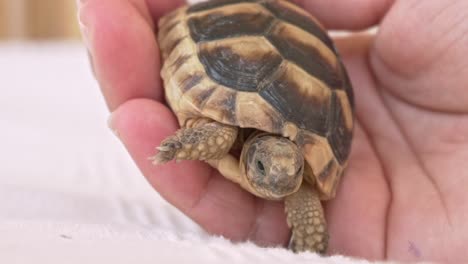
65	178
38	20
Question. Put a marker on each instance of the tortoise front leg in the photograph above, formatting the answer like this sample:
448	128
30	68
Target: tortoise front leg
303	208
306	219
201	139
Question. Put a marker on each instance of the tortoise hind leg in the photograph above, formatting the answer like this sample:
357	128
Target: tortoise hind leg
306	219
201	139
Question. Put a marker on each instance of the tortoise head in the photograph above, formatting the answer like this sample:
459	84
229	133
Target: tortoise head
273	166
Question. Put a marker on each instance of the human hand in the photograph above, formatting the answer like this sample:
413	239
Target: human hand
403	194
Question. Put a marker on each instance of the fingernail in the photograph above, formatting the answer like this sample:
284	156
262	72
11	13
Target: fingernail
111	124
80	2
83	23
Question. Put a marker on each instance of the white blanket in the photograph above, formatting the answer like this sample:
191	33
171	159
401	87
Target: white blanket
69	192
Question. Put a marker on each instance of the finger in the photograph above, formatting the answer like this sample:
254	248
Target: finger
125	56
141	125
347	14
218	205
420	52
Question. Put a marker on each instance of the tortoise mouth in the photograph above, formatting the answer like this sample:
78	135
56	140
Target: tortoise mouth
276	190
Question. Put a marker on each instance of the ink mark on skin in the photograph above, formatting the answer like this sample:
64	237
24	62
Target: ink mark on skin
65	236
413	249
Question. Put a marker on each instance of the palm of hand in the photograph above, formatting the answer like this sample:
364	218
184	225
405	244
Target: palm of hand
404	191
402	196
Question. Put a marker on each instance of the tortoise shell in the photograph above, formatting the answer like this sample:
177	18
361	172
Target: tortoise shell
263	64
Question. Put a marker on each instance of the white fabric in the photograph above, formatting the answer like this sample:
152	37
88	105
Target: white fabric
69	192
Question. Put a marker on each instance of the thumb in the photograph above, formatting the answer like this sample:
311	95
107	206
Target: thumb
420	51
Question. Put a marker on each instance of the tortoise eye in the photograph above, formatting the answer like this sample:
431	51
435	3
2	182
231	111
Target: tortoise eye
260	167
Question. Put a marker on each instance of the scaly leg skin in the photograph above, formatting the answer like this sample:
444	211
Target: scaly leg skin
306	219
202	139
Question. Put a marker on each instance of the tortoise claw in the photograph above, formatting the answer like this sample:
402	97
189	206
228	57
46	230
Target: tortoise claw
167	151
162	157
163	148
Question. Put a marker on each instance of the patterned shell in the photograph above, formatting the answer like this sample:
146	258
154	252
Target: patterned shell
264	64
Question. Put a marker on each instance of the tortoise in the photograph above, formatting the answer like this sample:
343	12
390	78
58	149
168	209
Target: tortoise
263	76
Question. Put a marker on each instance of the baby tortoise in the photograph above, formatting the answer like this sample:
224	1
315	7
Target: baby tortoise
236	66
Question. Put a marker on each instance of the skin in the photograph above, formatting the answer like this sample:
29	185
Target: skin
404	194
